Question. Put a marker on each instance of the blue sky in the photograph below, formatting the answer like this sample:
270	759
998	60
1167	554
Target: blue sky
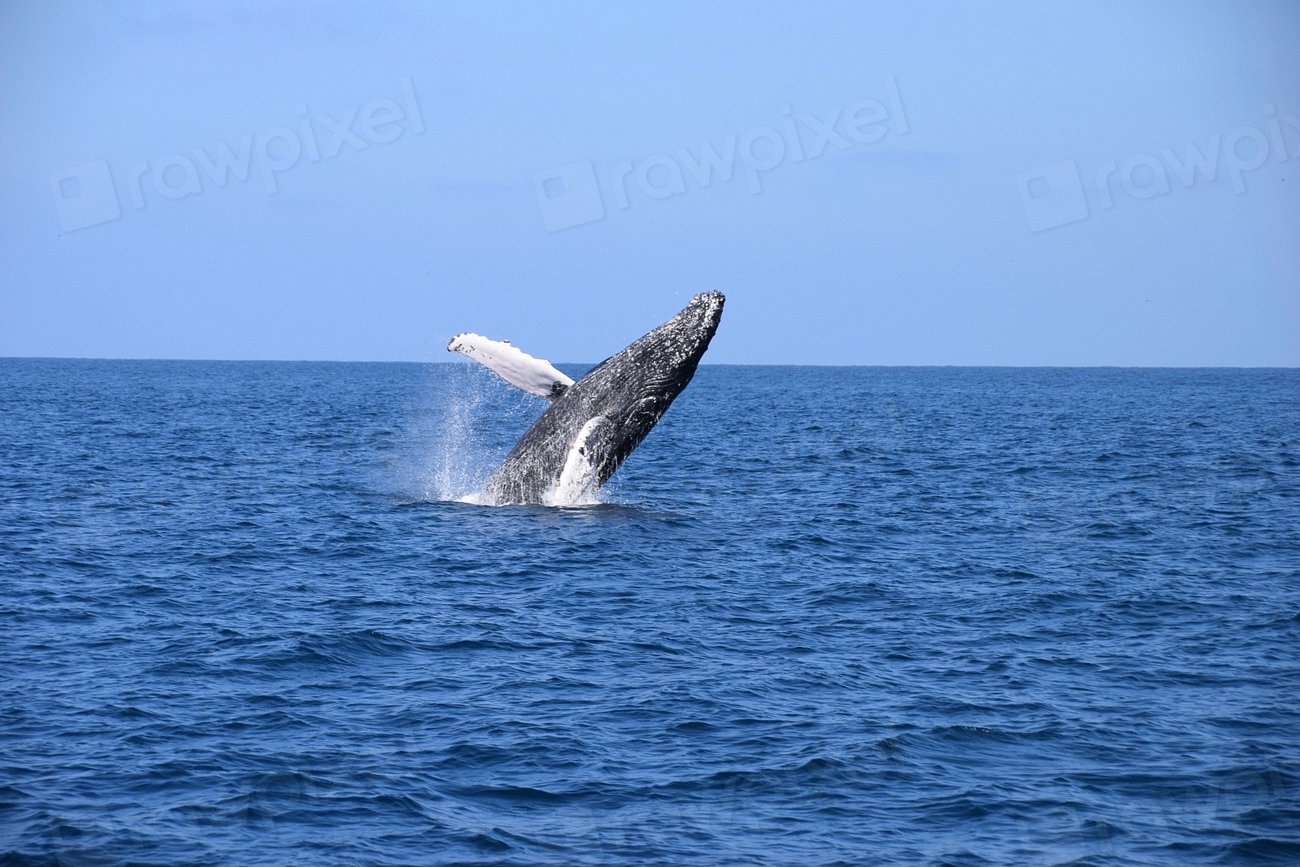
969	228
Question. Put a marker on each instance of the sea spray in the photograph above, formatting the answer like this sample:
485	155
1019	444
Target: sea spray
463	425
458	430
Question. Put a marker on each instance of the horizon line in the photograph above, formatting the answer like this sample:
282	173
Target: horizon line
455	362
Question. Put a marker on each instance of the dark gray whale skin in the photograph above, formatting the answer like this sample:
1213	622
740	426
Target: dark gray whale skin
630	391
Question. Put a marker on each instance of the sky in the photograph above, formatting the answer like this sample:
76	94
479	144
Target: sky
900	184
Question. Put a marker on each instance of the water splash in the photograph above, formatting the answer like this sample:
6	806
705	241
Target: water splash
465	424
447	457
461	459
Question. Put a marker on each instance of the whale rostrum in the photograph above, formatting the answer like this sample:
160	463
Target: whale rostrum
592	425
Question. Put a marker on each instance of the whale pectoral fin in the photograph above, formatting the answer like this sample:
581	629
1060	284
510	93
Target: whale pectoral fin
534	375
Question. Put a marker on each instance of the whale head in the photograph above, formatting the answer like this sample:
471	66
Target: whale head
654	369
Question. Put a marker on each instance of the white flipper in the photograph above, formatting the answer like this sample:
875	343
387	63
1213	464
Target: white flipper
533	375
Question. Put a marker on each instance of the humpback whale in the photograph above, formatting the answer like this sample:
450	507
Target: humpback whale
592	425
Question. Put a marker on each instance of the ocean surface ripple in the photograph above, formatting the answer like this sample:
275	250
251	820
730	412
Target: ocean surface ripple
823	616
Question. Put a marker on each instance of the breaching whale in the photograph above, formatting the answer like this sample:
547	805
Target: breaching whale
593	424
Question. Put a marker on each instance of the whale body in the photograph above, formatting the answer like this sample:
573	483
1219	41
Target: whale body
592	425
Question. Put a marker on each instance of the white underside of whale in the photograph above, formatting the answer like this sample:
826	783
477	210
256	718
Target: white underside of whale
577	484
533	375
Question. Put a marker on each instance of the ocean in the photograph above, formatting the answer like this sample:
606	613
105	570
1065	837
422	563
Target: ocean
949	616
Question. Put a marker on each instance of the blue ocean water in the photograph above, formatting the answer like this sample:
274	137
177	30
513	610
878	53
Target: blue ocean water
825	616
